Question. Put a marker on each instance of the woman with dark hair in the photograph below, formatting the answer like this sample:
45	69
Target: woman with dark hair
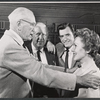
86	48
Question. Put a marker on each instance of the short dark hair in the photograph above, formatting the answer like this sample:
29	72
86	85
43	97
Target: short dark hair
64	25
90	39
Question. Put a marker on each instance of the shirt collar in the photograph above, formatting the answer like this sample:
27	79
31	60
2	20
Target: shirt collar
71	48
87	63
70	51
33	48
42	50
20	41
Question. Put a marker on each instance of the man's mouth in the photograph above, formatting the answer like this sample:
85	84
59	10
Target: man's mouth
67	41
40	41
31	35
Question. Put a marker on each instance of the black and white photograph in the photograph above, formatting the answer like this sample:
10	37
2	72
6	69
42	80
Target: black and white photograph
50	49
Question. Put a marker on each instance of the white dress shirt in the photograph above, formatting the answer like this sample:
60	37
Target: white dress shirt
42	54
86	67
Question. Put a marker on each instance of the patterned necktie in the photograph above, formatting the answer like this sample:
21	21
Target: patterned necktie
66	60
38	55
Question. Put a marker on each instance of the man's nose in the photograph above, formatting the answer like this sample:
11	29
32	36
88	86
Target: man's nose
41	36
32	32
65	37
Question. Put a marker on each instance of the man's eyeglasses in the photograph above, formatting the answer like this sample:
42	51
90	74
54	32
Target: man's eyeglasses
32	24
40	33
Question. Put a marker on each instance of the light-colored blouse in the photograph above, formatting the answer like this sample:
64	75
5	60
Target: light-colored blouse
85	68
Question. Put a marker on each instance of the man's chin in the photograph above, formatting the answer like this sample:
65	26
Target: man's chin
40	44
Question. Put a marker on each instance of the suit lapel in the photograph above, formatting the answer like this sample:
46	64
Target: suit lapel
60	53
61	62
60	50
47	57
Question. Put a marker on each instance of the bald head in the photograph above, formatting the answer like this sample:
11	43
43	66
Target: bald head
43	27
21	13
22	21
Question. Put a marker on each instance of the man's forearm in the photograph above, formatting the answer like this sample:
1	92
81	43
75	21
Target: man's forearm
58	68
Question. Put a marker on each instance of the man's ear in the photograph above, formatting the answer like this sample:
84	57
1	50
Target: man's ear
19	25
88	51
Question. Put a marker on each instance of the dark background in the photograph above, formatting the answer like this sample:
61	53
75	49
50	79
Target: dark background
80	14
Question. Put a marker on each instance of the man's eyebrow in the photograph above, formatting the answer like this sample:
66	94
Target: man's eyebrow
67	33
64	34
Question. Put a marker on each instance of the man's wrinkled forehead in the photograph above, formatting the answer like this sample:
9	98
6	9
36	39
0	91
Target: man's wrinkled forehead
22	13
67	30
37	29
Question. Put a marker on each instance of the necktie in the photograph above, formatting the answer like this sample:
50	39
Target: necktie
66	60
37	87
24	45
38	55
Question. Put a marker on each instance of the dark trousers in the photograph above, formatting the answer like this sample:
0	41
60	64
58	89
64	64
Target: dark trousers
70	94
41	91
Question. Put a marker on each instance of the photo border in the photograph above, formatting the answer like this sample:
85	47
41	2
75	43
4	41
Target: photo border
49	1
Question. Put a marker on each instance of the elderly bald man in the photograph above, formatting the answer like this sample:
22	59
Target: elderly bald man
39	50
17	64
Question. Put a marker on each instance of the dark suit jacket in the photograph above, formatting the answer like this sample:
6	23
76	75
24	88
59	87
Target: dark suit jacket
50	57
17	65
40	90
59	53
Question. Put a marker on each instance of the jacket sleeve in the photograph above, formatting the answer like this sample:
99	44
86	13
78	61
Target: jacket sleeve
17	59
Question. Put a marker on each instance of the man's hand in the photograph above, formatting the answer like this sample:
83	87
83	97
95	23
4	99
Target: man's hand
89	80
50	47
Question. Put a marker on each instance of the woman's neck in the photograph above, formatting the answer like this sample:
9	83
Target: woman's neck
85	59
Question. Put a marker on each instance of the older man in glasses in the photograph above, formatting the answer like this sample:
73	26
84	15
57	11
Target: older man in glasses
38	49
17	64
